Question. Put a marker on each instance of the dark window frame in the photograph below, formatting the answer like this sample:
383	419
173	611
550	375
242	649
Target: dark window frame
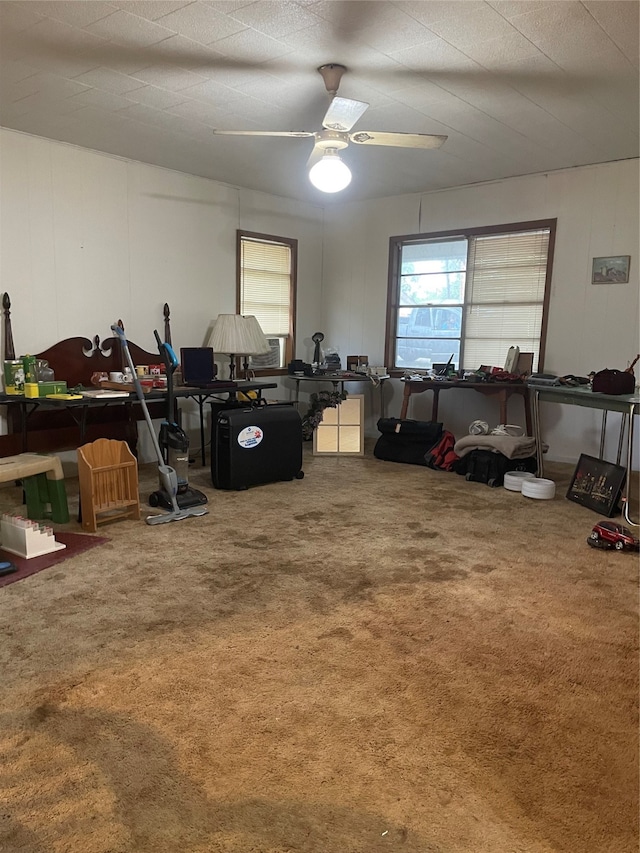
290	342
393	277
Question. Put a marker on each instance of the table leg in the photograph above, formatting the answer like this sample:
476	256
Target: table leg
201	411
536	432
434	405
623	423
503	406
625	491
23	408
81	422
23	426
603	433
405	401
526	399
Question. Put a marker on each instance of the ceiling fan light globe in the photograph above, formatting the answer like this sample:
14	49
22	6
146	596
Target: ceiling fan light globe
330	174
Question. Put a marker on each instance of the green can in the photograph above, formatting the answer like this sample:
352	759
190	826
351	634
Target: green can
29	364
14	376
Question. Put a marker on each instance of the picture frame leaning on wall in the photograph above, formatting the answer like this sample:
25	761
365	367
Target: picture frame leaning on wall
597	485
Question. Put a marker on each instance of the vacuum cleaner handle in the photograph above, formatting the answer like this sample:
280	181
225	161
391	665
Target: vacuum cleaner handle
139	392
170	364
125	348
119	331
167	353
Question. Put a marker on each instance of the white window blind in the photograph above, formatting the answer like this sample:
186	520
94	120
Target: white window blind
506	277
265	284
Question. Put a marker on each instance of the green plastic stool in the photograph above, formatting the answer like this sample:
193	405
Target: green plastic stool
45	498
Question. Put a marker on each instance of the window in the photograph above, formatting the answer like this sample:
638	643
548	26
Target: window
467	296
267	271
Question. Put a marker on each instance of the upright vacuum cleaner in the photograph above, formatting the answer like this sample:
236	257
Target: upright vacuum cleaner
170	484
174	444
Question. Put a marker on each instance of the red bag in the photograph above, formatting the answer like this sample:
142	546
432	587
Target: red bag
442	455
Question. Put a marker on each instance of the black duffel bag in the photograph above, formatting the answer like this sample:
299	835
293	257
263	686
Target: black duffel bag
487	466
614	382
405	440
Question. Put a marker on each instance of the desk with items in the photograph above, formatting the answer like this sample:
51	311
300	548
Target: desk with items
339	378
46	424
503	391
79	408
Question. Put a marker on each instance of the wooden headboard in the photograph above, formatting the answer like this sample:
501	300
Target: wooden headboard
74	360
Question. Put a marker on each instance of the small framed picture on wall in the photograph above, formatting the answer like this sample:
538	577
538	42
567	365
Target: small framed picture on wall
613	270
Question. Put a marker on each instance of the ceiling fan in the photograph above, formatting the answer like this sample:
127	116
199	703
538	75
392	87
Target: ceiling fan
327	171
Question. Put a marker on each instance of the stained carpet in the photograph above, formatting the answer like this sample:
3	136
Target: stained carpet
77	543
376	657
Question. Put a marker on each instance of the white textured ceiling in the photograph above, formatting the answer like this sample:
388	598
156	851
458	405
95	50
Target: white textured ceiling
518	87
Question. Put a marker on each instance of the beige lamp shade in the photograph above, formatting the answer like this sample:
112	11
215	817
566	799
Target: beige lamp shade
237	334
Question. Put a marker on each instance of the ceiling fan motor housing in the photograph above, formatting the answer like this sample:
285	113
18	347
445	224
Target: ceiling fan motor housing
332	75
335	139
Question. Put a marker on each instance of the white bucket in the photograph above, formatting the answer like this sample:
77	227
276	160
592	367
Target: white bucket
513	480
538	487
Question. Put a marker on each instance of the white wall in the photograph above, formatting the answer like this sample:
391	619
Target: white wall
87	239
590	326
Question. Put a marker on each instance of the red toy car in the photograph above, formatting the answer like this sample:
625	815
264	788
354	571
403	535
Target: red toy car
610	534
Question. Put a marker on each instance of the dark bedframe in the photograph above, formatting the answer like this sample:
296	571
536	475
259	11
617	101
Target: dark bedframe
74	360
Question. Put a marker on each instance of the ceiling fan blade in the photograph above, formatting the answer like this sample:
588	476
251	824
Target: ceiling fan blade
208	62
343	113
299	134
317	154
397	140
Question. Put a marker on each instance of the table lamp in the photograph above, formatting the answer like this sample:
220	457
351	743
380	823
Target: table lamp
238	335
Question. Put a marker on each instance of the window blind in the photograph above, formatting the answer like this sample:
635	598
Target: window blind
508	267
265	284
506	278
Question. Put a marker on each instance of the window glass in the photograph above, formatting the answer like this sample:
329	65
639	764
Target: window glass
469	297
433	272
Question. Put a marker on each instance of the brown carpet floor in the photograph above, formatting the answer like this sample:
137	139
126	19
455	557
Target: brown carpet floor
378	656
75	544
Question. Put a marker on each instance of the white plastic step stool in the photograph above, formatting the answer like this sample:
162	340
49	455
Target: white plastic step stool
27	538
